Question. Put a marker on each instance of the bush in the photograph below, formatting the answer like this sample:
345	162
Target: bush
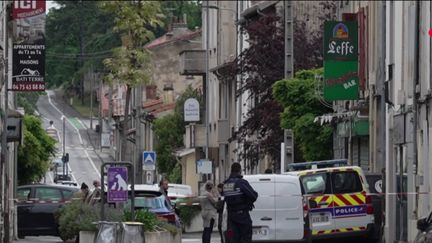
188	213
76	217
151	221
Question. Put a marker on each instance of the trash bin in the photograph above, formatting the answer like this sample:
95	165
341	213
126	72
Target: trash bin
107	232
132	232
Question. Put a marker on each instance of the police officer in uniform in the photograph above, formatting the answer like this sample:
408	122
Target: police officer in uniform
239	197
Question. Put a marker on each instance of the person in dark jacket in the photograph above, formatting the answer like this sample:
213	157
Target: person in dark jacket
239	197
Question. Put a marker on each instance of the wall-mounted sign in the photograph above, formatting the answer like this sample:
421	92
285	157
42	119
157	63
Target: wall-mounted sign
191	110
341	80
28	55
204	166
340	41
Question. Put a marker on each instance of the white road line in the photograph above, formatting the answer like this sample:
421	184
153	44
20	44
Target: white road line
69	168
77	130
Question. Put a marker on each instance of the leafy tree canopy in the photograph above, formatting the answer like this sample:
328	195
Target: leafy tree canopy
301	106
72	26
35	153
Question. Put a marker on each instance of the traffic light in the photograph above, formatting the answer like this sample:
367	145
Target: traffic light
65	158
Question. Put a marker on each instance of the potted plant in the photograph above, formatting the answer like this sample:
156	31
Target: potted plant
155	229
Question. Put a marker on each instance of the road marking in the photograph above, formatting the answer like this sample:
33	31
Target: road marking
69	168
77	131
50	177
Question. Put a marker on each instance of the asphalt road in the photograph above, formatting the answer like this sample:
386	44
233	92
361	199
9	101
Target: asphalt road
83	161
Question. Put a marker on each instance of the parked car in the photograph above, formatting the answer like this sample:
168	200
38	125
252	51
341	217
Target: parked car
149	197
178	192
36	206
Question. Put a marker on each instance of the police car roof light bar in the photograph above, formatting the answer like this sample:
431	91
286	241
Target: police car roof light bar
317	164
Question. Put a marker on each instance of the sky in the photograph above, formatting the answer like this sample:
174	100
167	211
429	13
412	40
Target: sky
50	4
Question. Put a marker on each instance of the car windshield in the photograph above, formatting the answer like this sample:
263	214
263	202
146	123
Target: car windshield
314	183
149	202
179	191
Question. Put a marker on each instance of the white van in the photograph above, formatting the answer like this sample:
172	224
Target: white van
312	204
278	212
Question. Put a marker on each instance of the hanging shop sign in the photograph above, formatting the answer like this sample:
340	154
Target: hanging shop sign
341	80
28	54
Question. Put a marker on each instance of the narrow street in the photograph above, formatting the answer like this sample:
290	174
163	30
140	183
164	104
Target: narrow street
83	161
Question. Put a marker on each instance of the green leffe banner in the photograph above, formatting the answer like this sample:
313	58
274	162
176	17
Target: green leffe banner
341	60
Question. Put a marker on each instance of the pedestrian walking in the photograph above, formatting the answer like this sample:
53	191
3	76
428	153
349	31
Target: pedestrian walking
95	197
220	210
208	204
85	193
239	197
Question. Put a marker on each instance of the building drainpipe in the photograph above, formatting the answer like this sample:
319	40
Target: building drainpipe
207	80
413	179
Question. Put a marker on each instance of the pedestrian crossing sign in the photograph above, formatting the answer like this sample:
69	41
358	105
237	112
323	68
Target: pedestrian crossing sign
149	160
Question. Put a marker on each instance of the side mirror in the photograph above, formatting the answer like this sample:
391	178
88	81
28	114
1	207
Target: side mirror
422	224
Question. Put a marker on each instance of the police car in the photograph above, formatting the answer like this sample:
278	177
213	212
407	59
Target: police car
312	203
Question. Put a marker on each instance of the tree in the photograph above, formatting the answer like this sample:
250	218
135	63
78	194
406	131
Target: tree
34	154
301	102
77	27
260	65
130	64
169	132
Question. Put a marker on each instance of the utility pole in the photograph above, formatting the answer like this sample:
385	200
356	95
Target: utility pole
138	137
81	46
288	73
101	123
91	96
207	76
4	145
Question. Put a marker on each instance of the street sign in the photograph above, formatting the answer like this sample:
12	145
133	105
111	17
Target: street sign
149	177
204	166
106	140
378	186
191	110
149	160
117	184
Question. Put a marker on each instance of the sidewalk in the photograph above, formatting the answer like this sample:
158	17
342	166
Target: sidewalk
41	239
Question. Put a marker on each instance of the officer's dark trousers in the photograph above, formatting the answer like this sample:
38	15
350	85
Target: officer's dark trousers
206	236
242	233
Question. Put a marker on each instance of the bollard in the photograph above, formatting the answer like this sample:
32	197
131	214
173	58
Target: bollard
132	232
107	232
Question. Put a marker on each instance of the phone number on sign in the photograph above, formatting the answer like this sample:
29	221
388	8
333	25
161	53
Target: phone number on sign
28	87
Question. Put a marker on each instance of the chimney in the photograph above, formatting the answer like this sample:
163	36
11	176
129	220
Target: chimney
168	96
